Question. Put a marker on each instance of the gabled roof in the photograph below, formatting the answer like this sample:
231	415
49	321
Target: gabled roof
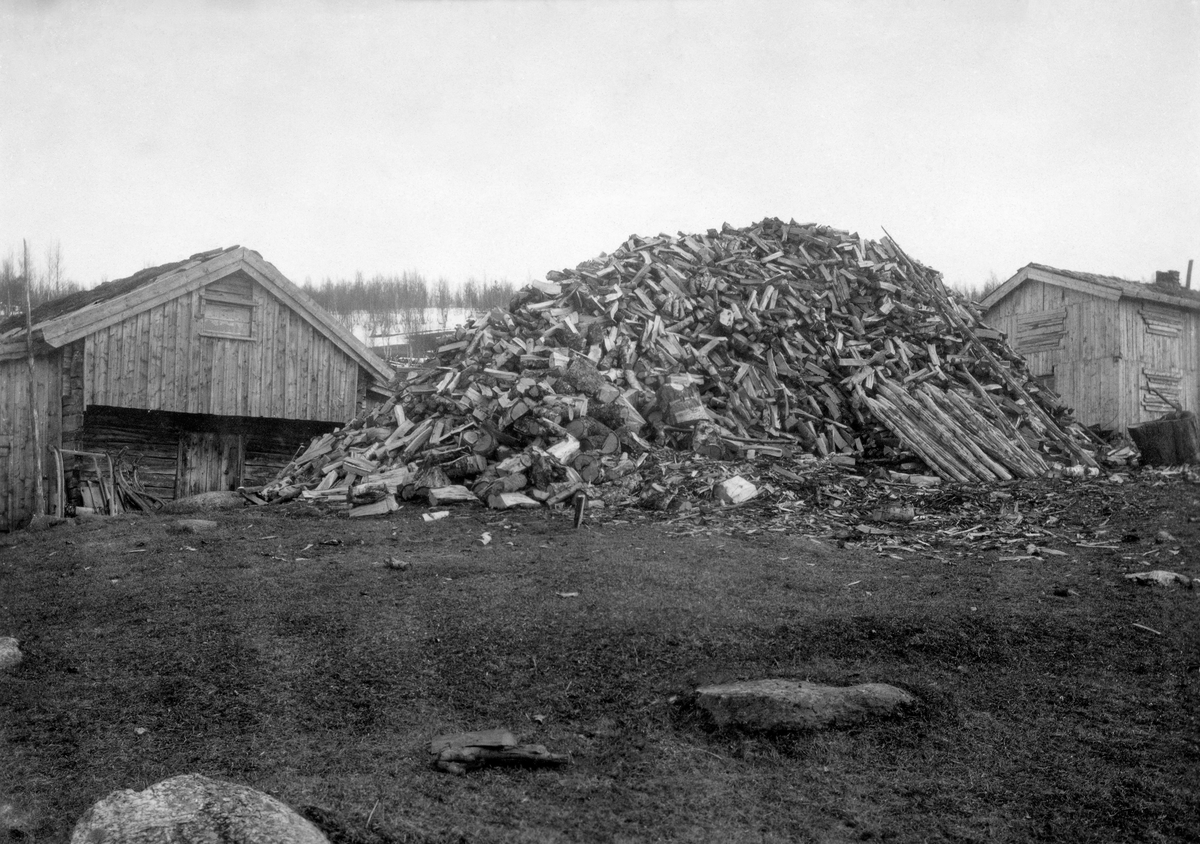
1104	286
14	326
67	319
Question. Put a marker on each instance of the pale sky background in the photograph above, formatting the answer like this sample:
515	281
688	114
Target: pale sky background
505	139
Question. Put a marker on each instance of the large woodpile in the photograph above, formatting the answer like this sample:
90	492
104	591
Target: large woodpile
773	339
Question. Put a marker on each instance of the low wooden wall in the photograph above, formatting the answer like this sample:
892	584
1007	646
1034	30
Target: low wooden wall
151	439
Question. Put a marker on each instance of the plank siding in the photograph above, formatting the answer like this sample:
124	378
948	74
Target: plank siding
193	354
291	358
160	361
254	357
1100	367
101	355
154	375
308	367
266	378
19	460
144	341
91	351
150	377
180	321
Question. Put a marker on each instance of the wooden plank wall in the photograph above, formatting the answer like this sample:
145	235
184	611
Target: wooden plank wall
1168	357
1085	362
165	359
18	469
1099	367
209	462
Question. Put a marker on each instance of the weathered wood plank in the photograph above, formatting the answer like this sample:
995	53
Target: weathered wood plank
255	356
204	374
320	400
17	397
154	377
344	395
178	339
93	353
309	358
292	367
141	385
90	320
192	360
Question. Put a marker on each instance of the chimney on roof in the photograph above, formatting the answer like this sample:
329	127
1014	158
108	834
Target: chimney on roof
1166	278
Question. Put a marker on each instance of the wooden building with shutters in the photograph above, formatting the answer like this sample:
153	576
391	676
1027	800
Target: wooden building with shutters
1119	352
209	372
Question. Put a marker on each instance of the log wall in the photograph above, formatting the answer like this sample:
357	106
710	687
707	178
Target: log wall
157	443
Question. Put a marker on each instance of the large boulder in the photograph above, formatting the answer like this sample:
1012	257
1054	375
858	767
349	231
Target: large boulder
10	654
193	809
798	705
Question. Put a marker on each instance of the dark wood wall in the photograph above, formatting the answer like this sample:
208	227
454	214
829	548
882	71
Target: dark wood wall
170	447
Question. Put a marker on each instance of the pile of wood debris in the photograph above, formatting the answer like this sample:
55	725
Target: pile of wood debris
774	340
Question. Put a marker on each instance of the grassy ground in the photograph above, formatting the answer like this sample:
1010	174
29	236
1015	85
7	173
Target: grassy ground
318	673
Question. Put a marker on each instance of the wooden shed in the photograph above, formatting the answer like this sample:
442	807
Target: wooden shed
210	372
1119	352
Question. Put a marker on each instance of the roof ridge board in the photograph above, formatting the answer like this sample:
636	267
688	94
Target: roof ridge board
270	273
1117	287
1082	275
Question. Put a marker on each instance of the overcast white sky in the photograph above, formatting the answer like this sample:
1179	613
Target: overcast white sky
505	139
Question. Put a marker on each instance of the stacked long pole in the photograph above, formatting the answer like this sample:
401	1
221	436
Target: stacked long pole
921	277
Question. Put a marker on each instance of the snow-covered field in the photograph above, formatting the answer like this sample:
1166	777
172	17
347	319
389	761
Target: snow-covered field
396	328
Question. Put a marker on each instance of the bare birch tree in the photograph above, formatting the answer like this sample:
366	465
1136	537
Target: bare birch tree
8	280
443	300
54	270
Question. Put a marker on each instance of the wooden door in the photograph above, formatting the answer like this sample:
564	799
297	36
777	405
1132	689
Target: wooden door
208	462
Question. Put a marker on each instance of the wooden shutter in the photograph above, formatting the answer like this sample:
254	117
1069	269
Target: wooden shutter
1041	331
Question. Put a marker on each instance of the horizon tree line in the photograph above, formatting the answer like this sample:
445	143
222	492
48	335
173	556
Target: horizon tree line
390	304
400	304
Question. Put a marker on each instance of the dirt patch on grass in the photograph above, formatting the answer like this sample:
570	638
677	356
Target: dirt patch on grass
283	652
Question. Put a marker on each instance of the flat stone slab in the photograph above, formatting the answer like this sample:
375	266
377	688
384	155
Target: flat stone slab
458	753
193	526
1158	577
10	654
479	738
193	809
776	704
